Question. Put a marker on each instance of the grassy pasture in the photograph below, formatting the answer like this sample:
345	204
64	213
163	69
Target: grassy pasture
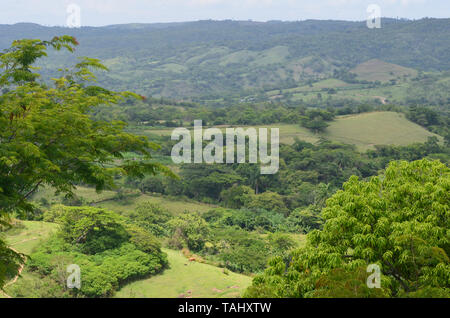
376	128
362	130
186	279
105	200
24	240
172	205
376	70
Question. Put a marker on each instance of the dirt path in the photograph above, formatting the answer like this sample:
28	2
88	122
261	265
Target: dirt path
20	269
30	239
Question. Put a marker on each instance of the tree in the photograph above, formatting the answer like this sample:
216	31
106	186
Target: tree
235	196
92	230
192	229
270	201
399	221
47	136
150	216
316	120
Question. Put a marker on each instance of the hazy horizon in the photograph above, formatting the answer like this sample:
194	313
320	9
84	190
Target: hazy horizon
97	13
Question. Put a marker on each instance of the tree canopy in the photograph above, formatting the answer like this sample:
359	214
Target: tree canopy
47	136
399	220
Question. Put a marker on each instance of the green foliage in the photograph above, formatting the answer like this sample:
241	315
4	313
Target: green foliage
191	229
281	244
46	134
398	220
235	196
316	120
10	262
239	250
108	252
304	220
249	220
219	61
143	240
93	230
207	180
268	200
151	217
344	283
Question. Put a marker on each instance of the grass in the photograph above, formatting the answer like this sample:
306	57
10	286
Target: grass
362	130
104	200
24	240
376	128
277	54
187	279
377	70
174	206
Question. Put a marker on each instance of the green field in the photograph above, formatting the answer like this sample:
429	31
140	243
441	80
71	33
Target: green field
24	240
104	199
34	232
186	279
377	128
376	70
362	130
174	206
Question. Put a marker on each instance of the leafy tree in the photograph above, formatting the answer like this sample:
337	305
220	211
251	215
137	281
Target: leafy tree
143	240
268	200
304	220
192	229
207	180
399	220
93	230
46	134
152	217
316	120
235	196
344	283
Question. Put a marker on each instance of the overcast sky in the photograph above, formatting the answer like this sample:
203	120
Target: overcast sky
105	12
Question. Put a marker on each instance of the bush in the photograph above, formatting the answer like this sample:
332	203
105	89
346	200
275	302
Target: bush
152	217
191	229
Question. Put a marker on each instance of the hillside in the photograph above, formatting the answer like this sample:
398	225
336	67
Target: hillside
201	280
377	128
24	239
377	70
362	130
129	201
208	59
186	279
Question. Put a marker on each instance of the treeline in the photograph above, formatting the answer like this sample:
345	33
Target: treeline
435	119
152	112
308	175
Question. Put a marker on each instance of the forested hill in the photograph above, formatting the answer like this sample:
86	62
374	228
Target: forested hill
217	57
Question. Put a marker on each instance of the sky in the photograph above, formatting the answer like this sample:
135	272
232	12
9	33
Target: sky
107	12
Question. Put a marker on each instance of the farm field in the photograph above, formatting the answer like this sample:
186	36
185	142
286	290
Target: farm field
377	128
105	200
362	130
186	279
376	70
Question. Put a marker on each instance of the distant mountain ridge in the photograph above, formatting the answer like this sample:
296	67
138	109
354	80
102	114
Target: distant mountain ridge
225	57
